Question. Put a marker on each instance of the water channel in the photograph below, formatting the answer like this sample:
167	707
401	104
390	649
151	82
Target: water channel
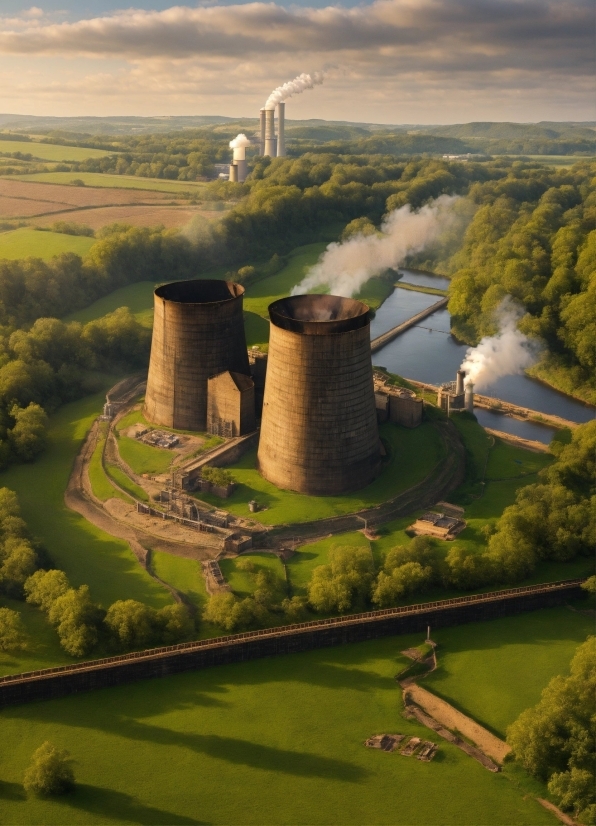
428	352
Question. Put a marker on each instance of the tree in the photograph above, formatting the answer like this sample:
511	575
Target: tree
12	631
404	579
229	613
44	587
347	579
50	772
556	739
76	619
132	623
590	585
173	624
28	436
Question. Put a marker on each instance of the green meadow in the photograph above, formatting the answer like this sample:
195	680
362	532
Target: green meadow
25	243
412	456
53	152
112	181
280	740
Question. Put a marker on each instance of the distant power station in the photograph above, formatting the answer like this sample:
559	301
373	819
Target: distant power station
271	144
319	432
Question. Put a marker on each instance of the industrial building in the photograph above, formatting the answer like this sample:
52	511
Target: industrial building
396	404
230	405
453	395
272	144
198	332
319	432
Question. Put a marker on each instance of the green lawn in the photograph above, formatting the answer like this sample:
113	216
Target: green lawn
53	152
87	554
413	455
100	484
308	557
241	582
114	181
122	480
497	669
144	458
137	297
506	462
25	243
183	574
552	160
280	740
43	649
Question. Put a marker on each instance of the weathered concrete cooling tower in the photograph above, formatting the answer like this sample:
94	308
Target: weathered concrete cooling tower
319	427
198	332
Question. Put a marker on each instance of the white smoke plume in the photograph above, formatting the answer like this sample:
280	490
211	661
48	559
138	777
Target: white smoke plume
345	266
294	87
507	353
239	141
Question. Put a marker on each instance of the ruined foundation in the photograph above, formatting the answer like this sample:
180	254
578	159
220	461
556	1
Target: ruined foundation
319	430
198	332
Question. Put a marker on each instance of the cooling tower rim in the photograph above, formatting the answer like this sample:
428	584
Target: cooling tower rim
296	314
200	292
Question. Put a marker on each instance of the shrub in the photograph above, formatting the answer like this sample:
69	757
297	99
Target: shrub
217	476
12	631
50	772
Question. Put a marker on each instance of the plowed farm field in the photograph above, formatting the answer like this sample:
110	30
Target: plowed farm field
139	215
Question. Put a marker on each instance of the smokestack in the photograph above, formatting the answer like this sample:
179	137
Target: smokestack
270	141
470	397
459	383
262	118
281	128
198	332
319	431
233	173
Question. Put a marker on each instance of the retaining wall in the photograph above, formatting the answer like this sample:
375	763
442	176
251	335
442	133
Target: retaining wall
161	662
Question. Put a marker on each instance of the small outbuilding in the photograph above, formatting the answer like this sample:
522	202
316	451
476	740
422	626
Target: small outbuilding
230	405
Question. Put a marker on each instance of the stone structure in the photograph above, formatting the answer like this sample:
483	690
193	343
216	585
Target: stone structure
452	396
436	524
230	405
396	404
198	332
319	431
161	662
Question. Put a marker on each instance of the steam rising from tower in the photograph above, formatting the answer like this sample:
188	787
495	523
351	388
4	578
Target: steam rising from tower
270	144
238	165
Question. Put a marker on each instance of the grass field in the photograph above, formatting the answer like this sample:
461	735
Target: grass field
241	582
280	740
87	554
122	480
137	297
413	454
100	484
144	458
183	574
25	243
553	160
115	181
43	649
53	152
496	688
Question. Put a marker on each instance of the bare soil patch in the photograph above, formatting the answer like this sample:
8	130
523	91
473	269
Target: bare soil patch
21	208
75	196
453	719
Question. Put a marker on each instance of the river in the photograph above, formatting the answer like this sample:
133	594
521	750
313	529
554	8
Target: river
428	352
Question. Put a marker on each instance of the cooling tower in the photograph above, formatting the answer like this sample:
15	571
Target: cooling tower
270	140
281	129
319	427
198	332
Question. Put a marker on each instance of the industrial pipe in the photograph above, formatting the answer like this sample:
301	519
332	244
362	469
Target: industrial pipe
281	128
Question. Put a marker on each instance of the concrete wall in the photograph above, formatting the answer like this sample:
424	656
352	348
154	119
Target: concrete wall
45	685
230	408
405	409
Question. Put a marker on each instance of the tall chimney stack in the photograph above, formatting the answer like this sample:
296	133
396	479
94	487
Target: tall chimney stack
459	384
281	128
470	397
270	141
262	125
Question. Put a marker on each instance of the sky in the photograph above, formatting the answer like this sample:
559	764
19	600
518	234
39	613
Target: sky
385	61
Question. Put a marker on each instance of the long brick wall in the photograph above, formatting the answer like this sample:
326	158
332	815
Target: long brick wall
161	662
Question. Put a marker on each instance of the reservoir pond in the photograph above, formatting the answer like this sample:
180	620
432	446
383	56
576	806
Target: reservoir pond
429	353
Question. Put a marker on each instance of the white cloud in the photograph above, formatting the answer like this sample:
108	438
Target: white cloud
404	60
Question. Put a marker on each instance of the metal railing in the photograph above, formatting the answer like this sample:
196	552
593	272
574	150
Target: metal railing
285	630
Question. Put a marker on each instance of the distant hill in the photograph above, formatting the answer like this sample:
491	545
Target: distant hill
514	131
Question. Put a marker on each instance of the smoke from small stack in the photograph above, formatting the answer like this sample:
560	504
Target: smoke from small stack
345	266
507	353
238	165
294	87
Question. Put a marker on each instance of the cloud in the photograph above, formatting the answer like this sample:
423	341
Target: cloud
462	35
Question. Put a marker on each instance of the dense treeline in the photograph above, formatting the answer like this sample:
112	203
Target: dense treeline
532	238
556	740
